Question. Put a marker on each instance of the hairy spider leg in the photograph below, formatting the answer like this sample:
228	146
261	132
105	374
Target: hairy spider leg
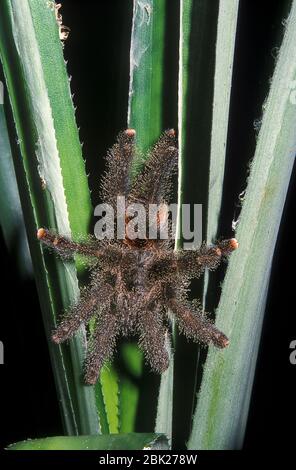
194	262
66	247
190	263
116	181
153	184
153	338
102	345
91	302
195	325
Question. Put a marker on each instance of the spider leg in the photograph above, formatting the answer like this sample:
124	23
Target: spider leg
194	263
153	339
153	184
64	246
102	345
195	325
190	263
82	312
116	181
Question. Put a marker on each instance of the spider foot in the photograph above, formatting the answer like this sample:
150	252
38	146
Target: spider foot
195	325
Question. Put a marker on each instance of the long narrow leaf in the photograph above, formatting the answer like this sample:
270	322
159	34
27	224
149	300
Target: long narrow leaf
52	180
223	402
11	216
225	44
133	441
147	71
145	115
197	50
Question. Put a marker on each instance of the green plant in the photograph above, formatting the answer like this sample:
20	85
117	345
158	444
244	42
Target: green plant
51	179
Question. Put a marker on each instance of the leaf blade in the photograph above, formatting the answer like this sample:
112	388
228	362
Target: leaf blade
132	441
222	408
40	180
145	114
11	217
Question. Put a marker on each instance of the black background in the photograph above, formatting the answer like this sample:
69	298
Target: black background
98	55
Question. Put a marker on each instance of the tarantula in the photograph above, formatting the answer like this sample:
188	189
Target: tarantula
136	283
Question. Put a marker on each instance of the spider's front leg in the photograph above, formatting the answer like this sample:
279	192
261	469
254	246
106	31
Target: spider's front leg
116	181
190	263
207	257
153	184
66	247
195	325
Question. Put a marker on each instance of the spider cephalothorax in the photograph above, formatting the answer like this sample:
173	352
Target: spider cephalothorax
135	283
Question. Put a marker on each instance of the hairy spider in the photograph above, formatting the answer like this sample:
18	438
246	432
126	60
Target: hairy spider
135	283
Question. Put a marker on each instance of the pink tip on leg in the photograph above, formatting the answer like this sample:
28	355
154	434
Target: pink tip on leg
171	132
233	243
130	132
41	233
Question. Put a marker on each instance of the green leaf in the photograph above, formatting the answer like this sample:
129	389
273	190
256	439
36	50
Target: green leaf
223	401
133	441
164	417
109	384
206	49
11	216
147	71
225	44
197	49
51	179
145	114
68	145
129	387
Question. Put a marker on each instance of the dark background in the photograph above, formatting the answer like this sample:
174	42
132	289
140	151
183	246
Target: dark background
98	55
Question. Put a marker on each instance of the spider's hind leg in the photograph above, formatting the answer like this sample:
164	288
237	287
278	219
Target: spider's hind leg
194	324
91	299
102	345
154	339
